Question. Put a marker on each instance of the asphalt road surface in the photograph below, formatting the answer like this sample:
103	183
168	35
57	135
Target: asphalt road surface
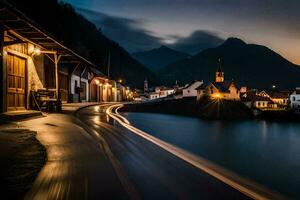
147	171
99	155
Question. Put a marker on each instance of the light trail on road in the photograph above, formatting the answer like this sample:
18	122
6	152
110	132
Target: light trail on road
247	187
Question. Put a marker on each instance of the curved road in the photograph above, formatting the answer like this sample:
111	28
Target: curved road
99	155
146	170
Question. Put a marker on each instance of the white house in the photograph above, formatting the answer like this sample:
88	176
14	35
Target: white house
80	85
191	89
256	101
154	95
295	99
164	91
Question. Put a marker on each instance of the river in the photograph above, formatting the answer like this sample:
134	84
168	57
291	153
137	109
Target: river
265	152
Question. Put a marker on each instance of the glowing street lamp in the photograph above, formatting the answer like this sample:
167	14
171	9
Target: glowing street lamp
37	51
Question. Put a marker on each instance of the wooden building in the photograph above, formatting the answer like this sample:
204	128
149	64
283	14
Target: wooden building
32	61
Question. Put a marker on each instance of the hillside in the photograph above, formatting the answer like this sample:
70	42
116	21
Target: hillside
249	64
76	32
155	59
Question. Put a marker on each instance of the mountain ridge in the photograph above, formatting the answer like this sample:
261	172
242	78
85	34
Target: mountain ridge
253	65
159	57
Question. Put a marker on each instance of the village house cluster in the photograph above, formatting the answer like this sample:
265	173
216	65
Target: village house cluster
228	90
38	71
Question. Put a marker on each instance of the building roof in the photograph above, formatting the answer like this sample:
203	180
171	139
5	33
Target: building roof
192	83
97	72
255	97
279	95
17	23
164	88
202	87
263	92
221	86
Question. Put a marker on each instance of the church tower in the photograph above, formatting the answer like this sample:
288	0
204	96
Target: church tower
219	74
146	86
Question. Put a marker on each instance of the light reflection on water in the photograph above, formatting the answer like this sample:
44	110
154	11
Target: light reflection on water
267	152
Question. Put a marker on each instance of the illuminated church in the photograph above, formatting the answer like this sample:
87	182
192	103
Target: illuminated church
220	88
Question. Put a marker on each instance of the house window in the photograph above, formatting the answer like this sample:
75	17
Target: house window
294	98
258	104
188	91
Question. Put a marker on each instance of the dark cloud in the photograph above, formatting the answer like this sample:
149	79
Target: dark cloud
275	23
196	42
129	33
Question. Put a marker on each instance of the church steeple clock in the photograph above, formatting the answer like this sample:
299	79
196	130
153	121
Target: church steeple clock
219	74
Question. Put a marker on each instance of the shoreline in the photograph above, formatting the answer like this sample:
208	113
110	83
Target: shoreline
210	110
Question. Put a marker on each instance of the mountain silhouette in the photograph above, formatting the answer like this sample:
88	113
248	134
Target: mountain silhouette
251	65
156	59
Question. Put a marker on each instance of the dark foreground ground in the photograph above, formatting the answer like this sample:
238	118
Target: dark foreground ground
22	156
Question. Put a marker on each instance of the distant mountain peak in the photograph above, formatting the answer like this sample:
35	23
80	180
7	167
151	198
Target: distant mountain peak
159	57
250	65
163	47
234	42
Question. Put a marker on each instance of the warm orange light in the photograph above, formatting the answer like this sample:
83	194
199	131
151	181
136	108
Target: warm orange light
217	96
30	49
37	51
97	82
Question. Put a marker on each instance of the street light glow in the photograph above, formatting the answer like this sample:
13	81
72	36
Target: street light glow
217	95
37	51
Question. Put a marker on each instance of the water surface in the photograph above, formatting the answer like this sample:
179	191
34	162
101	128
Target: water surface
266	152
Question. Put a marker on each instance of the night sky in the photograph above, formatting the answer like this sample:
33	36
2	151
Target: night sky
191	25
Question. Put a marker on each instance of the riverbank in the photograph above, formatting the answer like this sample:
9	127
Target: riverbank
205	108
22	157
279	115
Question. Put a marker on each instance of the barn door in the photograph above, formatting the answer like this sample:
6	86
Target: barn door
15	82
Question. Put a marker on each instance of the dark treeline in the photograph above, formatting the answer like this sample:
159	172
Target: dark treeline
61	20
